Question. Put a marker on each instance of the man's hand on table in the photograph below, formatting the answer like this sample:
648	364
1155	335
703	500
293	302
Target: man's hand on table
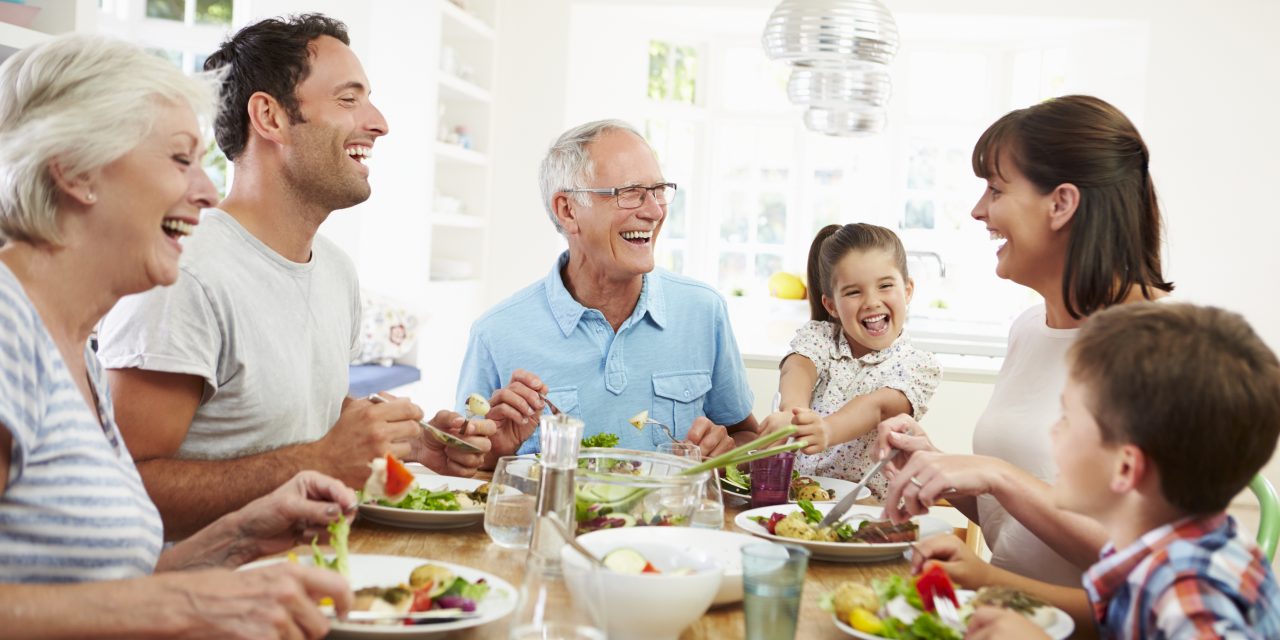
710	437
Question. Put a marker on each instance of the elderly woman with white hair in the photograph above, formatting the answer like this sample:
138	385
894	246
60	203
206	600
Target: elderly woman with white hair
100	177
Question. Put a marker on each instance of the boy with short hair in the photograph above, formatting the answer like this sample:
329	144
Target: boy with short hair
1168	412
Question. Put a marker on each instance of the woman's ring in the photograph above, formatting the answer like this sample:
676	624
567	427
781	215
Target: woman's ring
915	482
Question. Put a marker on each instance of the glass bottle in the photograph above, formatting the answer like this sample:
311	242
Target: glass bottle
557	601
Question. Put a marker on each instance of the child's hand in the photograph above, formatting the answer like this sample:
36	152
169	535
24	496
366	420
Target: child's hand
812	428
775	421
997	623
964	567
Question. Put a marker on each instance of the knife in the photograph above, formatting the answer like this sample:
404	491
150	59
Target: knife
434	615
444	437
833	516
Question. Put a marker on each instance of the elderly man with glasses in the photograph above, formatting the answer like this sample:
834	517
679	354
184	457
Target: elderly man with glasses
605	335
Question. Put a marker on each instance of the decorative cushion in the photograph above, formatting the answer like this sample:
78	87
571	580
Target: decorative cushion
388	330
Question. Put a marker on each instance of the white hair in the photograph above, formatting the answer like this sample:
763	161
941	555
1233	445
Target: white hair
81	101
568	165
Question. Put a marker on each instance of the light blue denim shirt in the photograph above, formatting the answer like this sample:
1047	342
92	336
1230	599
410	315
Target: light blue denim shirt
675	356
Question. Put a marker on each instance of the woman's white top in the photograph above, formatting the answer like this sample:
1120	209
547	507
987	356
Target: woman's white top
1024	404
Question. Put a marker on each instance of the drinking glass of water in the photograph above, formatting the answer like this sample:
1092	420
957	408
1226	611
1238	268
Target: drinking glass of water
772	580
710	511
513	496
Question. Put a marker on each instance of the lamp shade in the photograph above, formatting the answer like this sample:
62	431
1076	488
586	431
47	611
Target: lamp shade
839	51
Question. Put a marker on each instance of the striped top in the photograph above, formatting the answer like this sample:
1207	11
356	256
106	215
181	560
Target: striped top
73	507
1194	578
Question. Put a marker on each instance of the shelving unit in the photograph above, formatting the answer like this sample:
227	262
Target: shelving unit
464	82
55	17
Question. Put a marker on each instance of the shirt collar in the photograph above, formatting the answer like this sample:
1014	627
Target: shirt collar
843	352
1105	578
568	311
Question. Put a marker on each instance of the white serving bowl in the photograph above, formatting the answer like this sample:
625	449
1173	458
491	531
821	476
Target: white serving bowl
723	546
648	606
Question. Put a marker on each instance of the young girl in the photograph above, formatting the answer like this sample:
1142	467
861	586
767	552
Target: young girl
851	366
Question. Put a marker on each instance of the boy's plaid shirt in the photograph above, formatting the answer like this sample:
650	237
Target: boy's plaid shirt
1189	579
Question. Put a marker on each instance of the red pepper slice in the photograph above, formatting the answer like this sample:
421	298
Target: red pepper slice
398	476
649	568
772	524
933	581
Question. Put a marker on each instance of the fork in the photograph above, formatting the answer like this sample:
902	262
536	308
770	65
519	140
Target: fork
555	411
946	610
664	427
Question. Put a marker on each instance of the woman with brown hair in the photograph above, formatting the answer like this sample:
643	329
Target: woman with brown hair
1070	197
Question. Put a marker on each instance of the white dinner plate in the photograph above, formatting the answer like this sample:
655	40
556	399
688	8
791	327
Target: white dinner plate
838	488
1059	627
412	519
840	551
388	571
722	546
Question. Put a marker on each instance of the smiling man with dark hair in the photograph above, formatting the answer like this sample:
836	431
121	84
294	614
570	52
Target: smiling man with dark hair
234	379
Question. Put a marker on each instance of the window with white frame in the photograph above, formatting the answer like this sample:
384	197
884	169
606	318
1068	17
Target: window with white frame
755	185
183	32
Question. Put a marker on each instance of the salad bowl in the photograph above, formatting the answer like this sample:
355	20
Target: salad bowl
623	488
723	547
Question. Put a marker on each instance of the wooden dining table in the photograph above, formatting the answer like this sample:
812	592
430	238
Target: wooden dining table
470	546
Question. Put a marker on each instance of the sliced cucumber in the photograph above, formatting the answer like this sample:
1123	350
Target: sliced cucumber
625	560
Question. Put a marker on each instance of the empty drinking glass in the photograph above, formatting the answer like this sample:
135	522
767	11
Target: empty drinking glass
513	497
710	511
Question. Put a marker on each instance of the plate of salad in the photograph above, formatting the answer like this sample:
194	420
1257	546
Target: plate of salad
399	584
436	502
812	488
895	607
862	538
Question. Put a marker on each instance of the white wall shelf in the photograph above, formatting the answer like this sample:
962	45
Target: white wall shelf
472	25
458	220
454	153
456	89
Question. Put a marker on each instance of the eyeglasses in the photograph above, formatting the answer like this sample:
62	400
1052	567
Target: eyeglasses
632	197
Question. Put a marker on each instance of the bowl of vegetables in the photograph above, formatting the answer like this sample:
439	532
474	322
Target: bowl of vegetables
626	488
649	590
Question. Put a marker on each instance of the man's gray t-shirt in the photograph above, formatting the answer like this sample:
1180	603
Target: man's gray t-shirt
270	338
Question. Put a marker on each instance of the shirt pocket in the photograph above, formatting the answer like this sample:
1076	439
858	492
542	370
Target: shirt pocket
677	402
565	399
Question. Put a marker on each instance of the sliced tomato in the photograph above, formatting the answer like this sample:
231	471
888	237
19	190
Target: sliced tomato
933	582
398	476
649	568
422	598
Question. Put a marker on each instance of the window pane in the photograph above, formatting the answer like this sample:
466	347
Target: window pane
771	224
922	166
174	57
736	219
215	164
754	83
166	9
766	265
671	259
733	272
686	74
918	214
213	11
659	69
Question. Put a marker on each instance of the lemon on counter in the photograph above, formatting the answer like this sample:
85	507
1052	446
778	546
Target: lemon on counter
787	286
